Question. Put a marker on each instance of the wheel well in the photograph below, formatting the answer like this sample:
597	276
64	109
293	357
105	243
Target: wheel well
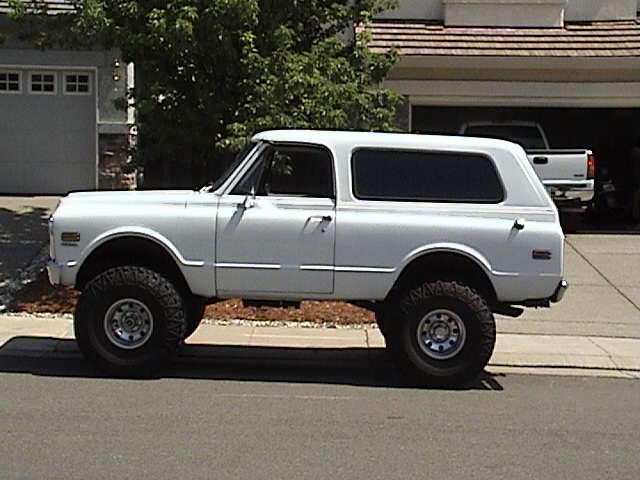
448	266
133	251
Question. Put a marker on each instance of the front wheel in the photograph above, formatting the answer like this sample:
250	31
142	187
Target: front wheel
128	320
444	333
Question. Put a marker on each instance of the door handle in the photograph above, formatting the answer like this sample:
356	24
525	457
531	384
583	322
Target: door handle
540	160
320	218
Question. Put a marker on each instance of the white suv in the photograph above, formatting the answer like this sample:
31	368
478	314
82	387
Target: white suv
431	233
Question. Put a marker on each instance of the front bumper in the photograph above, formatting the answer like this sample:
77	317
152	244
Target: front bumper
54	271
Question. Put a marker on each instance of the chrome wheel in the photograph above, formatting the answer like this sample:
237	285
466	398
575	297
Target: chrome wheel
441	334
128	323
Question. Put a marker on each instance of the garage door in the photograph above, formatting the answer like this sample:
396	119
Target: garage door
48	138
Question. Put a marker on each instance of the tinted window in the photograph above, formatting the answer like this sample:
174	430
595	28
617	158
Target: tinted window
290	170
425	176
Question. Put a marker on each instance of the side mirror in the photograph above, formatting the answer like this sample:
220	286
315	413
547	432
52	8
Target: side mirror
249	200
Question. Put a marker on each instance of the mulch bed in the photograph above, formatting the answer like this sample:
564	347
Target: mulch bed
40	297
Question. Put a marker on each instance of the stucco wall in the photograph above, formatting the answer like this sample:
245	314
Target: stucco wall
410	9
599	10
515	12
504	13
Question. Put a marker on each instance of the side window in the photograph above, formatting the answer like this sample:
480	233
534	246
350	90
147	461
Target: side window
290	170
425	176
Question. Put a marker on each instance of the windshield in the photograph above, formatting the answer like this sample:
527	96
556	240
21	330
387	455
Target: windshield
528	137
236	161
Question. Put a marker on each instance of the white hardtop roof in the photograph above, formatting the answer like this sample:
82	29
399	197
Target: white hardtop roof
353	139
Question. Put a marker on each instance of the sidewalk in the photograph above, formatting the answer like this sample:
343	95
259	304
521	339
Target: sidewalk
46	336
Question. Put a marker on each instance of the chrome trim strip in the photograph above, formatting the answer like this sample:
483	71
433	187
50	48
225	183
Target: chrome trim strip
257	266
192	263
318	268
365	269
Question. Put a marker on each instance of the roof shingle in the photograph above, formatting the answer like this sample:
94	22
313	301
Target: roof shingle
422	38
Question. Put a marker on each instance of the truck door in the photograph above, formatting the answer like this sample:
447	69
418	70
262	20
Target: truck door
275	228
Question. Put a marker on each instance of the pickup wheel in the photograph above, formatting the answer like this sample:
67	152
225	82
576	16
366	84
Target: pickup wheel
443	335
128	320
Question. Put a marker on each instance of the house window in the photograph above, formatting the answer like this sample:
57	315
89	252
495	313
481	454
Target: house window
77	84
10	82
42	83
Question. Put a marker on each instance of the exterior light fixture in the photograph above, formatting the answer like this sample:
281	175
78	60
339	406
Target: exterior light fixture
116	70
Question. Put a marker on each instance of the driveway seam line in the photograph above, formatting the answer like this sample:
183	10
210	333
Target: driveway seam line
637	307
601	348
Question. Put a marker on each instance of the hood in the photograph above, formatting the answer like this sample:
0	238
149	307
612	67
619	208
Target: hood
122	206
130	197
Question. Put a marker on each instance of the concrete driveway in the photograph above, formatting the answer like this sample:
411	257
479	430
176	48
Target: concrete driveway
23	240
603	299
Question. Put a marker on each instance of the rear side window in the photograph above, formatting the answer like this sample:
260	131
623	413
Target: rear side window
425	176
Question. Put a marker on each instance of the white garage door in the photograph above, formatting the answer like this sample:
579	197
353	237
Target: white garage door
48	136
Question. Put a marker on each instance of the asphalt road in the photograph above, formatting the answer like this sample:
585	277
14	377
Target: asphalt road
267	421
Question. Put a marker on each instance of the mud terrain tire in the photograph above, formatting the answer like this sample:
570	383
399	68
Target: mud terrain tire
129	320
443	334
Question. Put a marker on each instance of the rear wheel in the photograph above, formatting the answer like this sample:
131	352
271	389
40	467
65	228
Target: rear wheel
443	335
129	320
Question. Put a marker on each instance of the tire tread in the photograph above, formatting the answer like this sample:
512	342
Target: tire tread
161	289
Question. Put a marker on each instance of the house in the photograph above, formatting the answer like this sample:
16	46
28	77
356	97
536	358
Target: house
59	128
572	65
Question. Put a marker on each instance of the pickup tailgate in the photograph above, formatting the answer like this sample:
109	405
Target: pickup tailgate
563	169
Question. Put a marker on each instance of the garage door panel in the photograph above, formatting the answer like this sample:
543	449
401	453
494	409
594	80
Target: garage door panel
49	142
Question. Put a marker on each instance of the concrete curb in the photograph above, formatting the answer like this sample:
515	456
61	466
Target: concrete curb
514	353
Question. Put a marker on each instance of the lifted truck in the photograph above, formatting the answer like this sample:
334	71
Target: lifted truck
432	233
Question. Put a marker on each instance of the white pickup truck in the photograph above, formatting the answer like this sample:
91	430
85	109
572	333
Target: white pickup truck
432	233
568	174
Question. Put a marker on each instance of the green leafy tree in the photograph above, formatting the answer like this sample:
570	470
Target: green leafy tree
209	73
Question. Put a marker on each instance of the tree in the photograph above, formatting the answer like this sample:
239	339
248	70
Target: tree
211	72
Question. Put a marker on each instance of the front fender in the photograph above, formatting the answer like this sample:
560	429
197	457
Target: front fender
138	232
